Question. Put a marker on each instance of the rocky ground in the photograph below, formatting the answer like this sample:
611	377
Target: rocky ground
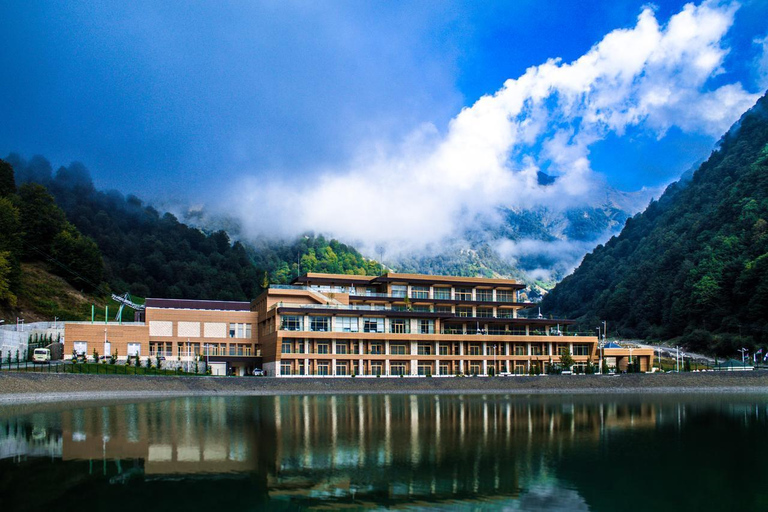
30	387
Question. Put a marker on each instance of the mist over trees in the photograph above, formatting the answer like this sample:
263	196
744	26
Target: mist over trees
96	236
694	265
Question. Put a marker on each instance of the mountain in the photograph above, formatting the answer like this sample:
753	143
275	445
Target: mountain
694	264
102	241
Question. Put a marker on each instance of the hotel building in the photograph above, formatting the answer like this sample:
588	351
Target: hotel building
344	325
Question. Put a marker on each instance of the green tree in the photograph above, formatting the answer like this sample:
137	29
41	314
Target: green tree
41	219
7	180
81	257
566	360
6	295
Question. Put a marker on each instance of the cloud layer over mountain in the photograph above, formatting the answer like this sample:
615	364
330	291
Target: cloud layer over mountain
435	185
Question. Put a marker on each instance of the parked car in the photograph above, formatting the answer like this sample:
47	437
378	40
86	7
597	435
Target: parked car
258	372
505	374
41	355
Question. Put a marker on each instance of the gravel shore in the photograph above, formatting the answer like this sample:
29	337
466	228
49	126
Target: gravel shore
31	387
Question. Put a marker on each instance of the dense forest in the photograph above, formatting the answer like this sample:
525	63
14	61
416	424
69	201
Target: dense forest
133	247
34	229
694	265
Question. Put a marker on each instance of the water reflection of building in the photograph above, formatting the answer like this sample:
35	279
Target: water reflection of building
179	436
341	450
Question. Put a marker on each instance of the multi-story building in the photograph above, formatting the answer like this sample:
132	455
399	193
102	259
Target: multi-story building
178	332
343	325
409	324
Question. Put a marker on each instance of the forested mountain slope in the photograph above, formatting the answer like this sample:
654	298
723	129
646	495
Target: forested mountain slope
149	253
695	263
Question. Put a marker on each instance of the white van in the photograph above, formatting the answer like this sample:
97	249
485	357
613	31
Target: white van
41	355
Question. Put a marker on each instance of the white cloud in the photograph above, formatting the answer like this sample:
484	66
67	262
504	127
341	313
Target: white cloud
433	186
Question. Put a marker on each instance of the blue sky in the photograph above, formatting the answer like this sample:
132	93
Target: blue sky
179	100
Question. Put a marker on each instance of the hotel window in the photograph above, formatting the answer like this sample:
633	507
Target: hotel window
486	295
346	324
377	349
319	323
474	369
419	292
398	307
425	349
341	369
484	312
443	309
443	349
377	368
463	293
81	347
421	309
285	369
322	348
399	290
425	369
399	326
519	350
518	331
248	331
323	368
426	327
562	349
247	350
536	350
342	348
474	350
581	350
397	368
398	350
373	325
506	313
441	293
232	330
286	348
239	330
463	311
505	296
292	323
445	369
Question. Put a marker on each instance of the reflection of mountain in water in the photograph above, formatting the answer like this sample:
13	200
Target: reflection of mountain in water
445	451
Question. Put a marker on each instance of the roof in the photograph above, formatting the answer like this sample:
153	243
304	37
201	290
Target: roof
730	363
222	305
612	345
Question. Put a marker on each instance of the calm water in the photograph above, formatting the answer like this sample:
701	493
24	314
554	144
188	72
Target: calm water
464	452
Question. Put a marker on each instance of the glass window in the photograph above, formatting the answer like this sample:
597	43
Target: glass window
421	308
399	326
425	369
441	293
420	292
346	324
463	311
463	293
322	368
285	368
443	309
519	350
232	330
484	312
505	313
581	350
443	349
292	323
377	349
425	349
240	330
399	290
398	307
319	323
397	368
486	295
474	350
322	348
397	349
426	326
505	296
286	348
373	325
341	348
341	369
248	331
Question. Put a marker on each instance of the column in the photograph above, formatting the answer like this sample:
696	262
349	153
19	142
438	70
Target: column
485	348
485	367
386	350
386	363
333	367
361	367
306	367
437	367
414	348
333	348
414	367
307	349
527	330
461	366
550	349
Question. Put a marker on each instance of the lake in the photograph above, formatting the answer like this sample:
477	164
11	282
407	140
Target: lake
470	452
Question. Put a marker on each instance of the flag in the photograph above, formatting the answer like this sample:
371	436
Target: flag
759	351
